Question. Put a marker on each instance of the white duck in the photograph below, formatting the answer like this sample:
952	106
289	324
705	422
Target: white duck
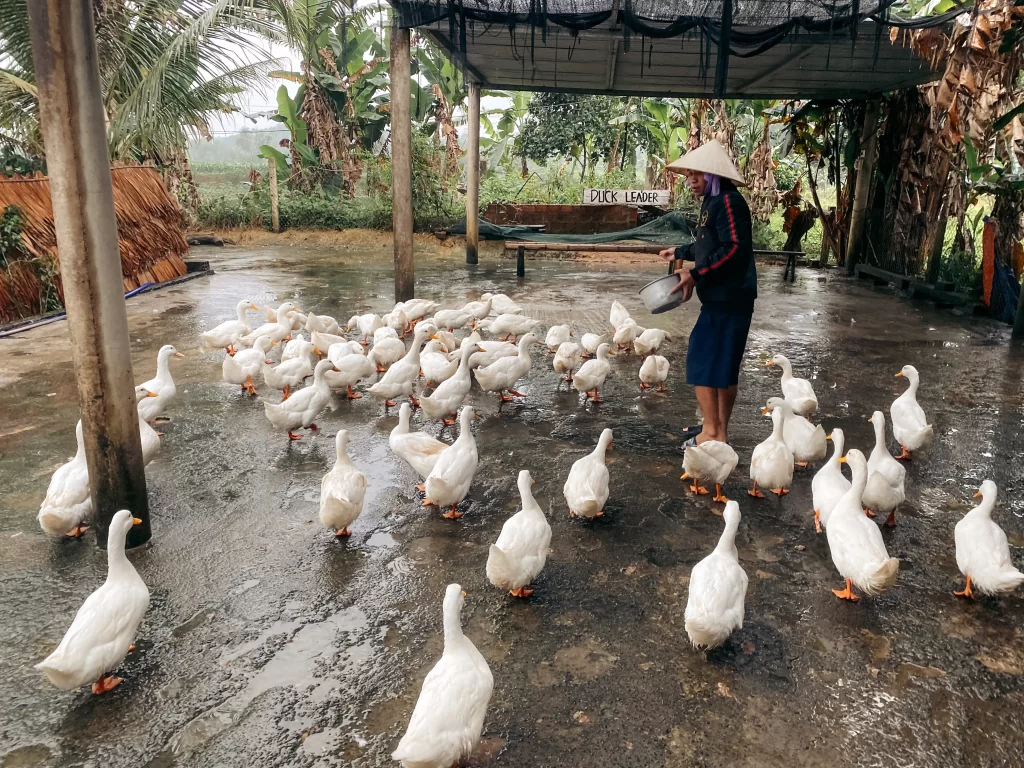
162	385
521	550
510	326
771	464
103	630
446	399
435	364
221	336
348	370
276	331
502	375
647	343
322	342
297	349
387	349
806	441
148	437
449	480
886	476
858	550
416	309
488	351
567	358
982	552
449	715
367	325
246	363
709	462
909	424
287	375
618	315
626	333
342	490
591	375
450	341
400	377
417	449
718	587
591	341
299	410
502	304
397	321
478	309
586	488
338	351
797	392
885	488
68	501
654	371
829	484
321	324
557	335
453	319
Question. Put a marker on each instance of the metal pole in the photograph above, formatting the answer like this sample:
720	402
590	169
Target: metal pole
521	261
78	162
862	191
473	175
401	165
275	211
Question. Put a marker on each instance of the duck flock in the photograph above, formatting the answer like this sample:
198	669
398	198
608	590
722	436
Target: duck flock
446	346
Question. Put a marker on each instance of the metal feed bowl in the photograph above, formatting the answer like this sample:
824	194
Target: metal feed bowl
657	297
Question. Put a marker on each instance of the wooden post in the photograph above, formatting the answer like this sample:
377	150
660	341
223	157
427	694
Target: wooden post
865	180
275	212
473	175
401	165
1018	320
521	261
71	118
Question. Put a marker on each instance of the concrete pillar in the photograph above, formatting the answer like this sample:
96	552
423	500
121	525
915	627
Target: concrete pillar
865	180
72	122
473	175
401	165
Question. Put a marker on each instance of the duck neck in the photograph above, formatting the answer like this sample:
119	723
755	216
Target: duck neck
727	543
163	367
342	459
602	447
777	426
117	562
913	381
524	349
526	495
242	317
403	421
837	451
464	362
413	355
452	628
985	508
859	482
879	426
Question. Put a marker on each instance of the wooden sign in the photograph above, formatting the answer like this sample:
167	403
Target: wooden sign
626	197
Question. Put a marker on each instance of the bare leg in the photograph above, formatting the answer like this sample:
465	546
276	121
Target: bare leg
707	398
726	401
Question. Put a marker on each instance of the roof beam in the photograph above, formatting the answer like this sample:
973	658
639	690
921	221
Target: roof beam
806	51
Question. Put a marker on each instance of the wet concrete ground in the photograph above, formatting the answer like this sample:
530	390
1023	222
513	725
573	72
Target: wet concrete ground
268	642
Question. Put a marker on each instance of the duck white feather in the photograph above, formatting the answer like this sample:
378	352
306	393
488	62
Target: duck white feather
161	385
718	587
418	449
591	341
366	324
856	544
301	409
68	501
502	304
103	629
298	348
387	349
510	325
806	441
797	392
556	336
586	488
654	370
221	336
709	462
453	319
626	333
321	323
288	374
618	314
241	367
479	309
277	330
982	551
435	363
449	394
488	351
885	488
521	550
591	375
503	373
909	424
453	472
403	373
448	718
771	463
148	437
829	484
343	349
415	309
647	343
342	490
567	358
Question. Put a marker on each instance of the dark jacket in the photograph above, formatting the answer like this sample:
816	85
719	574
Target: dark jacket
723	253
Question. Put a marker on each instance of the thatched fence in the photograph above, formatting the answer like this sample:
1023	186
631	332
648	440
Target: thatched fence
149	224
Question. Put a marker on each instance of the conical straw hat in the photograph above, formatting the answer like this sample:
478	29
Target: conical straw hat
710	157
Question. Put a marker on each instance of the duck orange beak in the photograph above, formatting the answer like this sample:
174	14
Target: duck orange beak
136	521
977	495
179	355
900	373
766	411
769	364
253	306
870	419
842	459
151	394
463	593
610	353
828	436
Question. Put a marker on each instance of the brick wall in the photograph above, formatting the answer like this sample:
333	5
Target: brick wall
566	219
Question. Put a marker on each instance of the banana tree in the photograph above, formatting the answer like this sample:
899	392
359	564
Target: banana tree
503	128
289	112
663	122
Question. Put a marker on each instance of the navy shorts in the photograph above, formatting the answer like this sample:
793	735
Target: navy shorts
716	348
